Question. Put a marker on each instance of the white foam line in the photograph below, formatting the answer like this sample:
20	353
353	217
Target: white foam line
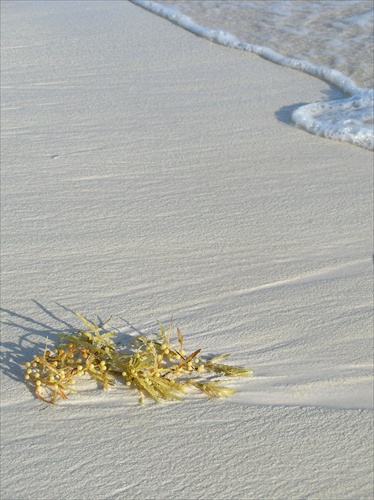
355	126
221	37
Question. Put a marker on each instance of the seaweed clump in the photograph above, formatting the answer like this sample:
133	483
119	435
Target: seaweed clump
154	367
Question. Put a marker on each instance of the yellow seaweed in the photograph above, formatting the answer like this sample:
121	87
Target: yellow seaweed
154	367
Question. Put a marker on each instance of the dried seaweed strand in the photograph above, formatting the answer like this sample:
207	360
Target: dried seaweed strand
154	367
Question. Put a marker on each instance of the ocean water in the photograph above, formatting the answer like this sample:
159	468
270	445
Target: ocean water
333	33
329	39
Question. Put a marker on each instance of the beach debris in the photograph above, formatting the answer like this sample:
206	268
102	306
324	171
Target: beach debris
152	366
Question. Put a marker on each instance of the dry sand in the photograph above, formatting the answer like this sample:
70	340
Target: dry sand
148	173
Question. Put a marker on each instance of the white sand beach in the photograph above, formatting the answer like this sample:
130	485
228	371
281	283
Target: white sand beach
147	173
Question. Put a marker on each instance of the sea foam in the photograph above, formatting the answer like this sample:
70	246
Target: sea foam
350	120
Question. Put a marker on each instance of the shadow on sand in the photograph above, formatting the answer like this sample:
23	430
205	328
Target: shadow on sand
284	114
31	336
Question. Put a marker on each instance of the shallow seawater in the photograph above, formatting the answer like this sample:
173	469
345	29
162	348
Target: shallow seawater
330	40
333	33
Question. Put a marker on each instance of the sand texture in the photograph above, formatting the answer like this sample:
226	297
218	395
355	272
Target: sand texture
148	173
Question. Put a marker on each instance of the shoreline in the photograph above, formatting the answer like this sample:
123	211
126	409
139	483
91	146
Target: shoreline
348	120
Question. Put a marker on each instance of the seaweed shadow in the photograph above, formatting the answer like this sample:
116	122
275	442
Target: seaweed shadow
32	336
